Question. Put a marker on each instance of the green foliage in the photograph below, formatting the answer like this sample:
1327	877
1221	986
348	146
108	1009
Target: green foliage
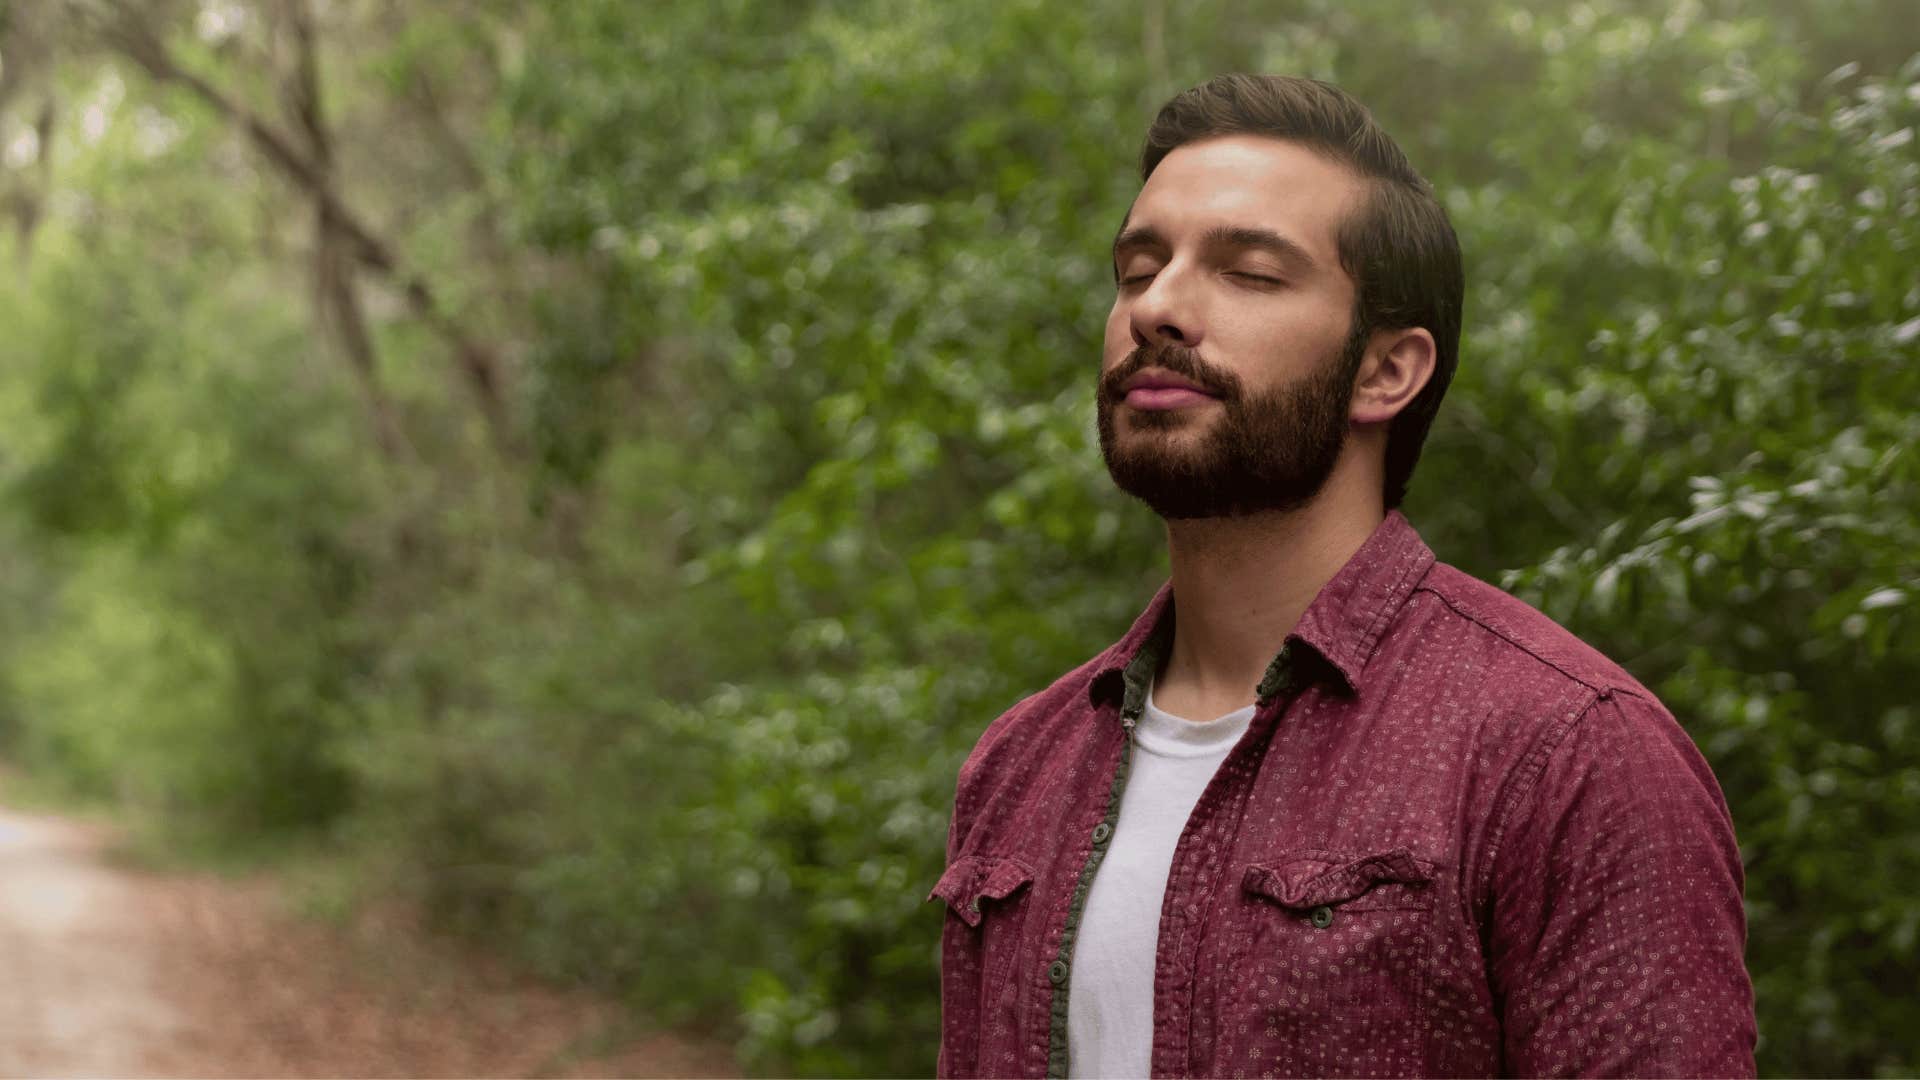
801	308
1765	580
190	656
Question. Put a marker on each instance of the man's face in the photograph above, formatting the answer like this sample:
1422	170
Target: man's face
1228	367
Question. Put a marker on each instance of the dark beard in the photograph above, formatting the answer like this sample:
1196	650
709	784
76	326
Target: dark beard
1269	452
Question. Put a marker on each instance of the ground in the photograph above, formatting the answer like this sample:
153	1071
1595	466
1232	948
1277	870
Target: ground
108	969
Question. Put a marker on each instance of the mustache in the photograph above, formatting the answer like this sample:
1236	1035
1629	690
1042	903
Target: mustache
1176	359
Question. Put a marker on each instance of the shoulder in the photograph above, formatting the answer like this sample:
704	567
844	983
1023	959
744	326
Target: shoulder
1009	739
1536	690
1522	640
1604	732
1026	754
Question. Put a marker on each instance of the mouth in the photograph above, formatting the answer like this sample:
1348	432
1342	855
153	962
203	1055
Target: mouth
1154	391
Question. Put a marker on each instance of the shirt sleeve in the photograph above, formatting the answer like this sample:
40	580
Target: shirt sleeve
959	977
1618	933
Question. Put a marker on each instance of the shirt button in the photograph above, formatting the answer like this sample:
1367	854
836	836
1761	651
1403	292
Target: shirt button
1323	916
973	905
1101	832
1057	972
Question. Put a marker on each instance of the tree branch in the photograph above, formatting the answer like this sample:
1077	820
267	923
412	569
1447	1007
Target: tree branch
29	199
476	362
336	296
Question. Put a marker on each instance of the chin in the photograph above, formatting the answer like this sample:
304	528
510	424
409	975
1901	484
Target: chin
1161	419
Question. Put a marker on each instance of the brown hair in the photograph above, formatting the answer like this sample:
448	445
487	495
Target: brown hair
1398	247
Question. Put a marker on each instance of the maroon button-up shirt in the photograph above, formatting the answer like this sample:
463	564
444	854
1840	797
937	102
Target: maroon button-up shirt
1455	841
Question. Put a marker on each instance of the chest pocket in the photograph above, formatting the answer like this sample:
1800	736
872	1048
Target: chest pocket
1334	935
1305	881
989	894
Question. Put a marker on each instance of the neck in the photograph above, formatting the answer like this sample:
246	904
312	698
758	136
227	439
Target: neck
1241	584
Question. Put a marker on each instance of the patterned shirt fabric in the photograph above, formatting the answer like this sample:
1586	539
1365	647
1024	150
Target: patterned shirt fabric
1453	841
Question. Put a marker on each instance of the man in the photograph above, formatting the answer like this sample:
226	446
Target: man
1330	807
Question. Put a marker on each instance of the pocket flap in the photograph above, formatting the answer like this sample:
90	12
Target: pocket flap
973	878
1311	879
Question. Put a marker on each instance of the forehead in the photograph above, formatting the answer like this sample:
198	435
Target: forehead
1250	181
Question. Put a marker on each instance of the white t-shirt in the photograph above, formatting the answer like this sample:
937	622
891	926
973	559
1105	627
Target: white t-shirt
1110	998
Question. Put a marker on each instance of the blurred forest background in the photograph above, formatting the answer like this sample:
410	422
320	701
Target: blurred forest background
599	465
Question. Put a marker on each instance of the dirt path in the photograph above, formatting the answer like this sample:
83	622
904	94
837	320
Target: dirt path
107	970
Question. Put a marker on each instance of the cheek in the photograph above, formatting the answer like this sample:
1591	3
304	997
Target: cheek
1119	339
1304	329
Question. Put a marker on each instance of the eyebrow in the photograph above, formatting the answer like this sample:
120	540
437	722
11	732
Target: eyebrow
1139	236
1220	236
1241	236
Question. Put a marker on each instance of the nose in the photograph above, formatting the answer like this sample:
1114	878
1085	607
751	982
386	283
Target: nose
1165	313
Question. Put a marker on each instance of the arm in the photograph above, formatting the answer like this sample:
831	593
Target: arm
958	982
1617	926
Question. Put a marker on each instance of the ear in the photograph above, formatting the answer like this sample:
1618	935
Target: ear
1395	368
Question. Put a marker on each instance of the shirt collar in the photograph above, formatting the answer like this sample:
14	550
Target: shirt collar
1334	638
1126	668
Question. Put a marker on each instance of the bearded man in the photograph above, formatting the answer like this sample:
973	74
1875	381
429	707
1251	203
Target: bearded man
1330	807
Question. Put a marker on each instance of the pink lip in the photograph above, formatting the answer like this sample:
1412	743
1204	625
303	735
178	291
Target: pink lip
1165	397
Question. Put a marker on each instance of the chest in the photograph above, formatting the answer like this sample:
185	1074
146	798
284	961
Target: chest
1312	902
